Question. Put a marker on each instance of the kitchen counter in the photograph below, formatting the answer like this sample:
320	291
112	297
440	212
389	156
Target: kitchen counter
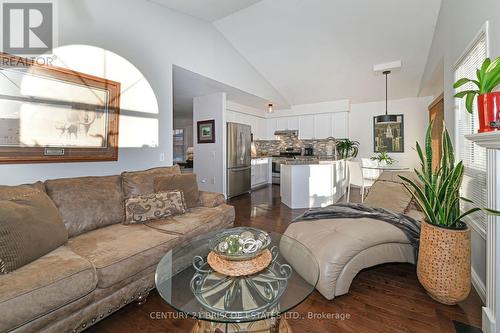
308	185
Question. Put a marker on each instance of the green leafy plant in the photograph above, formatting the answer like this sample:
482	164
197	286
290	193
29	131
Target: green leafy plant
488	77
437	191
382	156
347	148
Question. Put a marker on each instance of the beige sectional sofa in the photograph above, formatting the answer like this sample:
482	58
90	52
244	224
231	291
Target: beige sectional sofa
345	246
105	264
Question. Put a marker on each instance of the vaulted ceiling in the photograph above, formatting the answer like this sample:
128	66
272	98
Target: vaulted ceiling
209	10
323	50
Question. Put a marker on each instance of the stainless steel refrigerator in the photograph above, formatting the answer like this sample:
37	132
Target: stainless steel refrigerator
239	160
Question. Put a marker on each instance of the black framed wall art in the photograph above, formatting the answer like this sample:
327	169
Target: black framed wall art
389	136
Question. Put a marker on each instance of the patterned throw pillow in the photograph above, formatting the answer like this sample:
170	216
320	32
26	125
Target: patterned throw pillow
154	206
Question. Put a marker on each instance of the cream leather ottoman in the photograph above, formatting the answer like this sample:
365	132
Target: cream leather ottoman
343	247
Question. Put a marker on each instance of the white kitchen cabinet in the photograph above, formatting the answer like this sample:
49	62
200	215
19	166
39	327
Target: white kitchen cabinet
293	123
260	171
230	116
322	125
272	126
340	125
282	123
261	132
306	127
258	124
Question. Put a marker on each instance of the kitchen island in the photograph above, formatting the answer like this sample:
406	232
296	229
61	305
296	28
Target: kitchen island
313	185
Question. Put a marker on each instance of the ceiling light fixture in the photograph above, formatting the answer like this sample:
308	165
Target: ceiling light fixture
270	108
386	118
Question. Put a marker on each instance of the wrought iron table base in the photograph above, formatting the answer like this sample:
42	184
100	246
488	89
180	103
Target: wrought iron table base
263	326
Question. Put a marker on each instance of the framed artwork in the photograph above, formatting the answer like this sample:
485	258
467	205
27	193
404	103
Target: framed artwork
206	131
389	136
53	114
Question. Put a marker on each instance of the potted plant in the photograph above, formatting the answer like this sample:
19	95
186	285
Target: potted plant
488	102
383	158
347	148
443	266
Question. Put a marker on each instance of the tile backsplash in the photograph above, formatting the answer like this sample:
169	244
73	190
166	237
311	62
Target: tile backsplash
321	147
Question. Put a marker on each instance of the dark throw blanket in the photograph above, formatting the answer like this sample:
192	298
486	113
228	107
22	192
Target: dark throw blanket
408	225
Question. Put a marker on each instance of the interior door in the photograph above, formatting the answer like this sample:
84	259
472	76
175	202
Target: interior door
436	115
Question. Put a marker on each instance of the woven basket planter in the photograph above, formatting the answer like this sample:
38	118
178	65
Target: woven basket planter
444	263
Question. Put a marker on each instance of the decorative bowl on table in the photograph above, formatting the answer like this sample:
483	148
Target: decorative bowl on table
238	244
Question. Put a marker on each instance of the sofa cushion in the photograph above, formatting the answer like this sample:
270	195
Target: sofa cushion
87	203
7	192
30	227
197	221
142	182
186	183
211	199
154	206
120	251
56	279
389	195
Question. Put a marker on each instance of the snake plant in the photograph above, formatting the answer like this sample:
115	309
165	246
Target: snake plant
347	148
488	77
437	190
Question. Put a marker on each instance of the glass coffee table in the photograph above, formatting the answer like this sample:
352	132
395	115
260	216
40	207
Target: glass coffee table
254	303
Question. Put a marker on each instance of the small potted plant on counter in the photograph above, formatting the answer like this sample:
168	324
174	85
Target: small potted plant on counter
444	256
383	158
347	148
488	102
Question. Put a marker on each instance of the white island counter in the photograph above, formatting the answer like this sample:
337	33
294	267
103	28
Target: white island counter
313	185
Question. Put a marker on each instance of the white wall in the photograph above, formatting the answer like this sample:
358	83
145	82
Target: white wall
416	116
210	158
458	23
152	38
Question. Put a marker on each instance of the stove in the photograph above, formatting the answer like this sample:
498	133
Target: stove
284	155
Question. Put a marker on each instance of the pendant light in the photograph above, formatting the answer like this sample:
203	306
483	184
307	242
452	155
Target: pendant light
270	108
386	118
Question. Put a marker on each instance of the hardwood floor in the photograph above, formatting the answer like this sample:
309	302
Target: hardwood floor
385	299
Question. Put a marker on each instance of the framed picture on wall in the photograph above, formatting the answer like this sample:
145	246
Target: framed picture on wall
53	114
206	131
389	136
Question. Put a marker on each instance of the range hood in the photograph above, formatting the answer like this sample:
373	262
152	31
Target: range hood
286	132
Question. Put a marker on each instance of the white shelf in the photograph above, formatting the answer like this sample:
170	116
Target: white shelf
489	140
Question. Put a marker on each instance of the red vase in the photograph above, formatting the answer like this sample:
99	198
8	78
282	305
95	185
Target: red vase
489	112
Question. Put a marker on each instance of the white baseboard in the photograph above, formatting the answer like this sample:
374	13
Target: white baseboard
488	321
478	285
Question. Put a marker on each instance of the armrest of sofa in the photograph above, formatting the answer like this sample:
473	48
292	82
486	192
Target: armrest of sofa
211	199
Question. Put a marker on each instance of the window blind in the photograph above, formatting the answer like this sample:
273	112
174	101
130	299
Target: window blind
474	157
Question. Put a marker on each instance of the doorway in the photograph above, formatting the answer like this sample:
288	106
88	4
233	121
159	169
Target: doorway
436	115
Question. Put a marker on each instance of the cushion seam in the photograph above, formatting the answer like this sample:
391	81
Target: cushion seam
59	307
123	259
366	249
56	281
128	277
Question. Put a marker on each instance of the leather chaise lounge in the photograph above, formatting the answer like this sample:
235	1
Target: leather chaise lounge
105	264
343	247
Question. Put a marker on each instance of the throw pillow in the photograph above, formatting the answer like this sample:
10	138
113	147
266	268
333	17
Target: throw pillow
184	182
30	227
142	182
154	206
